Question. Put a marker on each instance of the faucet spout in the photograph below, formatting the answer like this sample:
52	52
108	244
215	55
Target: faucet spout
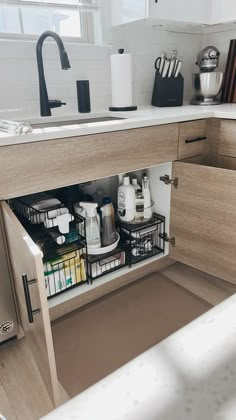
45	103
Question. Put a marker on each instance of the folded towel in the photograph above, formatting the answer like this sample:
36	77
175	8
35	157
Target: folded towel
13	127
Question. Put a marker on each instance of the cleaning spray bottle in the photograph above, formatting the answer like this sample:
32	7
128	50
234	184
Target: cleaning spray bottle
92	228
147	198
126	201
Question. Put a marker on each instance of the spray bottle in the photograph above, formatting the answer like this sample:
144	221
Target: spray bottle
92	227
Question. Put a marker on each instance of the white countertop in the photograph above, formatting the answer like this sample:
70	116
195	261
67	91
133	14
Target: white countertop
189	376
143	117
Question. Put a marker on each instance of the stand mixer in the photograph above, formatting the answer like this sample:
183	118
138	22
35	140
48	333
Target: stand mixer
208	83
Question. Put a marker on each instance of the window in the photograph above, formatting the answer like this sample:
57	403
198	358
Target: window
29	18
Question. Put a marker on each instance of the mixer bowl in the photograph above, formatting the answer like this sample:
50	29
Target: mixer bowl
207	87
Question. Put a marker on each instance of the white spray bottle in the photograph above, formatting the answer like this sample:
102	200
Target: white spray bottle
147	198
92	228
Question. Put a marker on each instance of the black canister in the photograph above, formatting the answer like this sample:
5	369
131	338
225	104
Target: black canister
83	96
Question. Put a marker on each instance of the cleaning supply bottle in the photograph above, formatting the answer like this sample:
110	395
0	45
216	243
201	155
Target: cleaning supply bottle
139	206
92	227
147	198
126	201
108	223
135	184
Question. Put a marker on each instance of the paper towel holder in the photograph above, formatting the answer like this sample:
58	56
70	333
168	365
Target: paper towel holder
123	108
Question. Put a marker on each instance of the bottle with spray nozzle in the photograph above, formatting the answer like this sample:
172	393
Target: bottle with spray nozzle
147	198
92	227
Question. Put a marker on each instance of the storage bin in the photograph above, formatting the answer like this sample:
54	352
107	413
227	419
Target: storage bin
99	265
144	240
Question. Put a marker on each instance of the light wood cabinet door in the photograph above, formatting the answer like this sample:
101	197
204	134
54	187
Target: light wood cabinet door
26	259
203	219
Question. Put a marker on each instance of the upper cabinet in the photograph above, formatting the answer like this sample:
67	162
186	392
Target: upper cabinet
190	12
223	11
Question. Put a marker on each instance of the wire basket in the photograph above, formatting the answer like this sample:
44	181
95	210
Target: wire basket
144	240
99	265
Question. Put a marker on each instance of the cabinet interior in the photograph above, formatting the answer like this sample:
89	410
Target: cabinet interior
100	188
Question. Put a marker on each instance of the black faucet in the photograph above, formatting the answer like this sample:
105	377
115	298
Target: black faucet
45	103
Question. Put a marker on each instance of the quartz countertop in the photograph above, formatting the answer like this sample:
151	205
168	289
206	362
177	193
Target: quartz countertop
143	117
191	375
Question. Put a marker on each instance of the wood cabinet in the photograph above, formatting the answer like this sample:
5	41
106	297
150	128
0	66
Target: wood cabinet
186	12
69	161
203	218
192	139
26	260
199	204
227	139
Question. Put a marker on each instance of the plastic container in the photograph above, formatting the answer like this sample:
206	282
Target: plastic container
92	228
147	198
139	206
135	184
126	201
108	223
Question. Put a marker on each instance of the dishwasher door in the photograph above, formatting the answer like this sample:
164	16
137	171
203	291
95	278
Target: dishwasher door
8	317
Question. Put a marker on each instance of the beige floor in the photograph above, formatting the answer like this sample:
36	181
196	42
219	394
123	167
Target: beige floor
94	341
22	393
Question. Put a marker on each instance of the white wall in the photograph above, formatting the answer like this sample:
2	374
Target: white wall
19	96
19	92
146	43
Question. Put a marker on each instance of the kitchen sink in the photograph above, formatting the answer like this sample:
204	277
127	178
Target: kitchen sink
75	122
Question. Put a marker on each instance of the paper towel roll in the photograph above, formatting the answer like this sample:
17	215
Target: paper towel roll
121	80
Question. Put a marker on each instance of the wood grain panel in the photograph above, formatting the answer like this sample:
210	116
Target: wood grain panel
227	142
22	383
187	131
210	288
6	408
104	289
39	166
203	219
26	258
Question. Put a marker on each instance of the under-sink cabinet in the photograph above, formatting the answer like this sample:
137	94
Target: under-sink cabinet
197	203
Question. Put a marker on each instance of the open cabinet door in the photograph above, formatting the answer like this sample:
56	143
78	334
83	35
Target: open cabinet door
203	219
26	263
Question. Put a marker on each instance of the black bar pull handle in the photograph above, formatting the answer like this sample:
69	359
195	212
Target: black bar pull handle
30	311
195	139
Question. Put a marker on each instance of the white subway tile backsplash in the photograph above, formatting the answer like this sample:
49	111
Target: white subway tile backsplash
19	90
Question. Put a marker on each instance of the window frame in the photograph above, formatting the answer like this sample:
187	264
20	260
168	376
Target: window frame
86	26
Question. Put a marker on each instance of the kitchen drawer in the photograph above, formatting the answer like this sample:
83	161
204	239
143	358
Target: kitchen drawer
227	141
192	138
203	218
40	166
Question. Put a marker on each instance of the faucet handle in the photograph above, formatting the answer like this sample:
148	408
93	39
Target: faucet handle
56	103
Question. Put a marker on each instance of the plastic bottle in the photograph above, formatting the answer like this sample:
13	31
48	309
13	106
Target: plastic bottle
108	224
92	227
135	184
147	198
139	206
126	201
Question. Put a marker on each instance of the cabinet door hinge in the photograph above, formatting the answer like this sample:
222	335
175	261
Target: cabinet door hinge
166	238
169	181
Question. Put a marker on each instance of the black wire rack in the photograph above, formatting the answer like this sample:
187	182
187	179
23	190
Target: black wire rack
99	265
142	241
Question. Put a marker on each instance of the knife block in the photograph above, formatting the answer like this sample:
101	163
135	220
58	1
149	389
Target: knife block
168	91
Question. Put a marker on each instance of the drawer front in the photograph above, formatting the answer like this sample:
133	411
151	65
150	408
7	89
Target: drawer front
34	167
192	139
227	141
